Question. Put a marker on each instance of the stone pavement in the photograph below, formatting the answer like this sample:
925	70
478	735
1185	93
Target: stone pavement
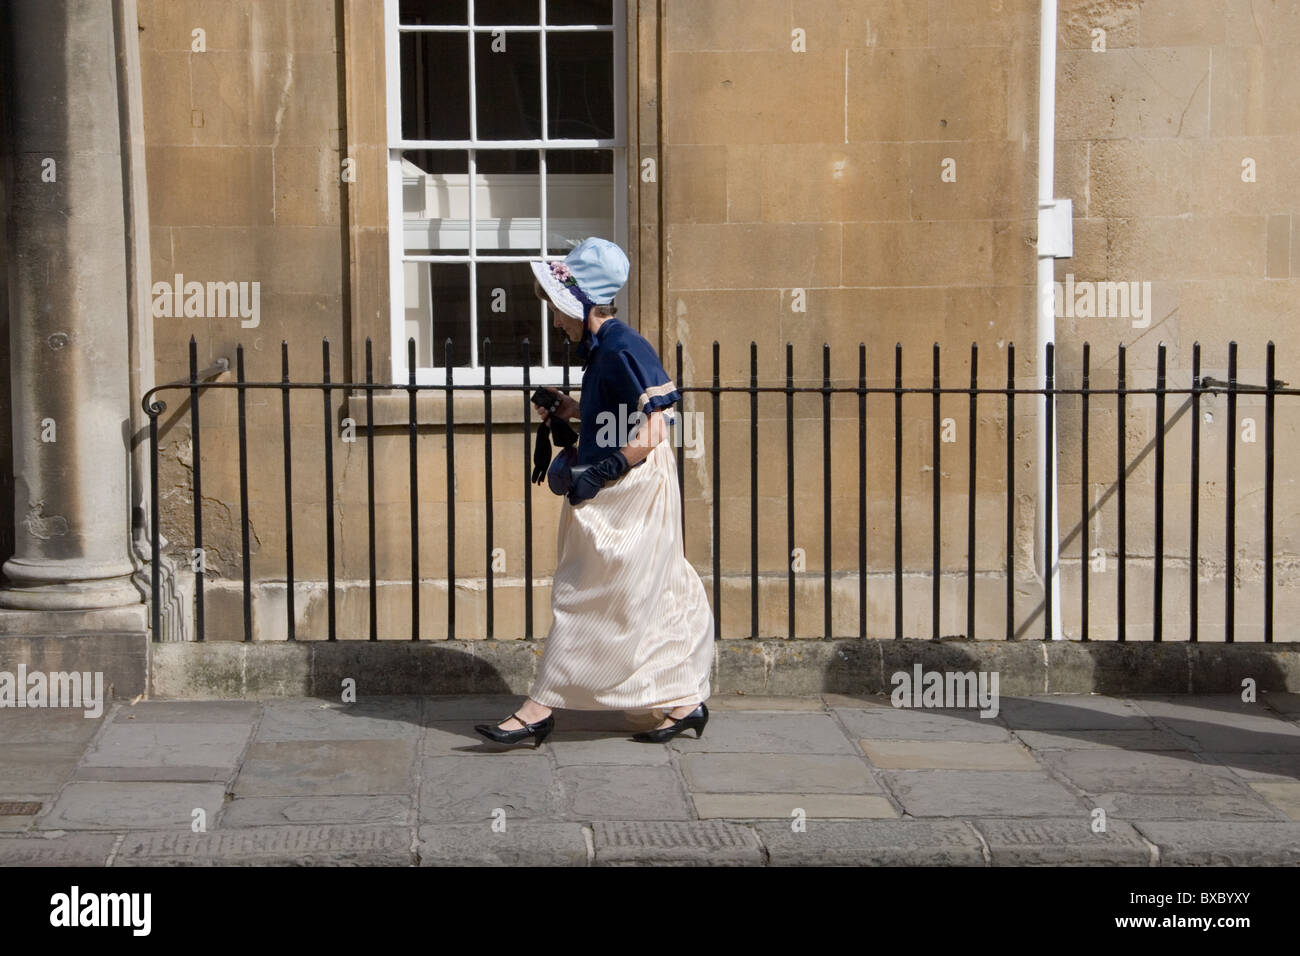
774	781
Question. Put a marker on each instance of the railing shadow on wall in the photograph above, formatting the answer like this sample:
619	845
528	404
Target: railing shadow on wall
1004	399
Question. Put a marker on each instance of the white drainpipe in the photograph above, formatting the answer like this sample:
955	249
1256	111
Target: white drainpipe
1055	240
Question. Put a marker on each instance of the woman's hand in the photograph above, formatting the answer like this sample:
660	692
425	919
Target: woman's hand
568	408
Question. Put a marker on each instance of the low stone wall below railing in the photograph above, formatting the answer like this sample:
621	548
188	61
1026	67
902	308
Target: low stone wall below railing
764	667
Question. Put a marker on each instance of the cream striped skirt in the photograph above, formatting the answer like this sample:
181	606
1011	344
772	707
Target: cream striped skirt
632	626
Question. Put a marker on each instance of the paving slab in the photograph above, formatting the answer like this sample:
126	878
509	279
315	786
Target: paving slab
777	773
1223	723
593	748
523	843
872	843
1099	771
1211	843
48	725
675	843
270	846
1072	712
1197	706
965	793
1270	736
947	755
392	809
784	806
57	849
120	806
1281	767
178	774
612	792
1153	739
764	702
758	732
471	789
36	767
190	711
371	718
476	708
1283	702
1247	805
156	744
1281	796
1258	734
306	767
857	701
1064	841
901	723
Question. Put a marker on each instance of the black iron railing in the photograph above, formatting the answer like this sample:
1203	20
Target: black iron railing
1004	398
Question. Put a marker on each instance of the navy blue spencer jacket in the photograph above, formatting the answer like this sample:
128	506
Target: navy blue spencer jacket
622	375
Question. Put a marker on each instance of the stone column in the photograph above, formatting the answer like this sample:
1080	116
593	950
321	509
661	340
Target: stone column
68	310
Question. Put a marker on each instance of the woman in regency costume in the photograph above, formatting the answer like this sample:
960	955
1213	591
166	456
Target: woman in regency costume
632	628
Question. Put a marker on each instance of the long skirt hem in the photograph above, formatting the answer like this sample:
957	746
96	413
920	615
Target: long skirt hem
632	628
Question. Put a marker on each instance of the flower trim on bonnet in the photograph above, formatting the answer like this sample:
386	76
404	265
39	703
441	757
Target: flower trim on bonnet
562	273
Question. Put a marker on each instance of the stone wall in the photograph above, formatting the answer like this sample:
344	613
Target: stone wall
875	186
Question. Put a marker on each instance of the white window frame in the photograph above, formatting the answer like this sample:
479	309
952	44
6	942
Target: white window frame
501	374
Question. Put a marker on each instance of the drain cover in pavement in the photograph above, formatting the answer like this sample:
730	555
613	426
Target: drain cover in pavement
12	809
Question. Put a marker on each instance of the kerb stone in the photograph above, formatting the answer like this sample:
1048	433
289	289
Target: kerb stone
873	843
676	843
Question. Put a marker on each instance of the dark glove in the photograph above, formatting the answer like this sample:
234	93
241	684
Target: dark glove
541	454
563	433
594	478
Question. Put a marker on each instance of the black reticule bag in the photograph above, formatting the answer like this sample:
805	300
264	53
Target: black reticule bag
561	472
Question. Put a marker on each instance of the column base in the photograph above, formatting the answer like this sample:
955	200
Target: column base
68	586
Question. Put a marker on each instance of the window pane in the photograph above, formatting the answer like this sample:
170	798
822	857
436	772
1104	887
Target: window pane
435	202
508	77
506	12
580	85
508	311
438	160
570	161
508	206
432	12
435	86
436	308
564	12
508	161
579	197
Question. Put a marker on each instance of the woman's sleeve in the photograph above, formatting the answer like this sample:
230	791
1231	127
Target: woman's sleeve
642	385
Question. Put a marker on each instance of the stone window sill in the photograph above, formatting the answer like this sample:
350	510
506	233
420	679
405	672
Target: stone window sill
392	408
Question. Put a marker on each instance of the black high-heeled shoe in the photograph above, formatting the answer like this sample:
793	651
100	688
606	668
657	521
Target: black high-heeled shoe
539	731
696	718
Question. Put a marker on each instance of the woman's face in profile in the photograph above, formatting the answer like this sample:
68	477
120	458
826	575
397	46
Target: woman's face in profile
569	326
